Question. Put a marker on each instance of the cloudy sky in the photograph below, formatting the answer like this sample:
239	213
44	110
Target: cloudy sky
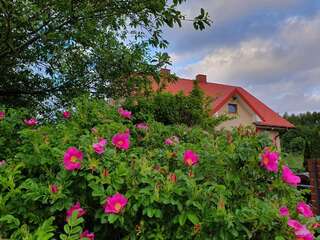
269	47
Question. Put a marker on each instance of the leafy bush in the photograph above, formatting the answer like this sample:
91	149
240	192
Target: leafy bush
297	145
169	109
308	128
226	195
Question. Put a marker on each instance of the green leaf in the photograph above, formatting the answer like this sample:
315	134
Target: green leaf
63	237
9	219
66	228
112	218
193	218
182	219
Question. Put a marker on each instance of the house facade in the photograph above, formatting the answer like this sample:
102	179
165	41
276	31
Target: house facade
238	103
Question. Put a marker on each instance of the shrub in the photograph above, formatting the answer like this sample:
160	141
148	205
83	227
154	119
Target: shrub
226	195
308	128
191	110
297	145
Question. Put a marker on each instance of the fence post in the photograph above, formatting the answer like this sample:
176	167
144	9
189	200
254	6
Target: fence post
314	173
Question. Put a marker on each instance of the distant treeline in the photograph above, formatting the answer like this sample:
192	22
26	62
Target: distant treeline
305	138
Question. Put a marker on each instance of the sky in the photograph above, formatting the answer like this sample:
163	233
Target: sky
269	47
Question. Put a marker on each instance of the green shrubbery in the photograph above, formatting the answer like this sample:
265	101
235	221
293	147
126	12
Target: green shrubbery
169	109
304	139
227	195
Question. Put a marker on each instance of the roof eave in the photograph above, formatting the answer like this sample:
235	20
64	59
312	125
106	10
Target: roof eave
269	126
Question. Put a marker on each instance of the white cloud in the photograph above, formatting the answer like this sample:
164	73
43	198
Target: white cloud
229	24
283	70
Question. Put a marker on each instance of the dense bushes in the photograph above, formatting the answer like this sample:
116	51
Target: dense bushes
169	109
307	129
220	191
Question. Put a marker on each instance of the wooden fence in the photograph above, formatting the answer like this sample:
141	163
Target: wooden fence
314	175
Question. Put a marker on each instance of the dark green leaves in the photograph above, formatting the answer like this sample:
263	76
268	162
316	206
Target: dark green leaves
65	48
202	20
72	228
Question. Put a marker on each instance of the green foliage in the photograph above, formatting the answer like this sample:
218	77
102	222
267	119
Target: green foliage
226	196
51	51
305	138
307	119
10	127
72	228
44	232
294	161
169	109
297	145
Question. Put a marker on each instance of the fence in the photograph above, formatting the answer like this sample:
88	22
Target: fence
314	173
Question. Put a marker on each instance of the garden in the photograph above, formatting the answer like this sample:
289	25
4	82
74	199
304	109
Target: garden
102	171
88	149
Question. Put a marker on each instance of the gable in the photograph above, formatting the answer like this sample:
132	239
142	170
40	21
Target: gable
244	114
222	93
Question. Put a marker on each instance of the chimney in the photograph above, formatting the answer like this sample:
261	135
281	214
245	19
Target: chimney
165	71
201	78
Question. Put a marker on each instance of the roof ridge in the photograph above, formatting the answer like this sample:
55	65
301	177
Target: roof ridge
223	92
222	84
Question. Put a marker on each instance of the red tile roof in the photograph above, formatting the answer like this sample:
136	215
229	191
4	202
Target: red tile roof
222	93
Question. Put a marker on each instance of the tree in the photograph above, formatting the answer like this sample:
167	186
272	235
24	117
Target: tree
305	136
53	50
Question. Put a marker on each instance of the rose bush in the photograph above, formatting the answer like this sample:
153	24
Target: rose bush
100	175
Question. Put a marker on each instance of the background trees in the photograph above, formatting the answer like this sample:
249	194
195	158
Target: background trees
53	50
305	137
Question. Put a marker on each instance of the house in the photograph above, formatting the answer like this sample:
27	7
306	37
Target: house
237	102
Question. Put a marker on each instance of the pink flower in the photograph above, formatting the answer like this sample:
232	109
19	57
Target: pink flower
269	160
125	113
2	162
283	211
190	158
142	126
296	225
304	209
172	140
301	231
54	188
115	203
75	207
289	177
168	141
72	159
2	115
99	147
31	122
304	234
87	234
121	140
66	114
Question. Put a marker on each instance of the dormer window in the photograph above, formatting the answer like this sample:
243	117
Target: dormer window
232	108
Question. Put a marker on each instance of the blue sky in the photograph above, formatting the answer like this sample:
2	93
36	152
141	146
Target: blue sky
269	47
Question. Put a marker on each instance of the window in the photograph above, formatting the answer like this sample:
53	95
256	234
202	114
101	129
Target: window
232	108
